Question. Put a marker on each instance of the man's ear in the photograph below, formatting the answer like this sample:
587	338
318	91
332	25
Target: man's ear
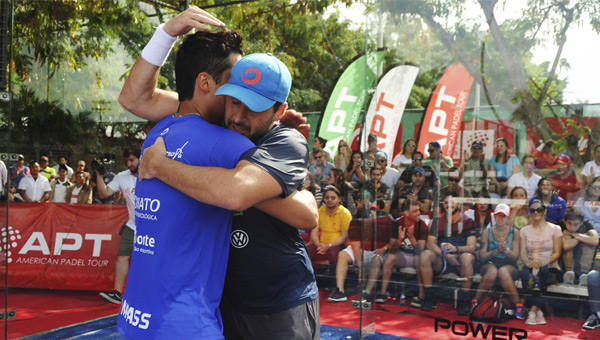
280	111
205	82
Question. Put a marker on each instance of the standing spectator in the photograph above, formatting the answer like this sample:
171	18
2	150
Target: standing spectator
475	169
3	180
555	205
498	254
342	158
502	167
34	188
593	321
566	184
45	170
589	203
332	230
404	159
591	169
526	178
541	244
81	166
354	171
63	160
313	187
318	143
389	176
580	240
320	168
440	163
124	182
80	192
60	185
19	170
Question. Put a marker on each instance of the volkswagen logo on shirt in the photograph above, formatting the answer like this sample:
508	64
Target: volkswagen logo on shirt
239	238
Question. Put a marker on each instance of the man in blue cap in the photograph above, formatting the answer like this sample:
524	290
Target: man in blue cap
270	290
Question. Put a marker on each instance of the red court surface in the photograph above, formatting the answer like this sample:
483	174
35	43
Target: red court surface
42	310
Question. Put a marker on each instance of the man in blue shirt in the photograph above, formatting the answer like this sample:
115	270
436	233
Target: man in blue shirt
270	290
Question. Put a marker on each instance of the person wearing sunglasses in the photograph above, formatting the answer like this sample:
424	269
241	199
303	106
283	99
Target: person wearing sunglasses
404	159
342	158
389	176
321	167
454	188
541	245
417	162
555	205
440	163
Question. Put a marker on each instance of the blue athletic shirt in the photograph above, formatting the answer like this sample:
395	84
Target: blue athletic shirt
269	269
181	246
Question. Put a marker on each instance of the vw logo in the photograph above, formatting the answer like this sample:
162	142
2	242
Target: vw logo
239	239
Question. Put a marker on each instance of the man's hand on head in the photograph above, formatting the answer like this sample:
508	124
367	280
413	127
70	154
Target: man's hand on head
151	158
296	120
191	18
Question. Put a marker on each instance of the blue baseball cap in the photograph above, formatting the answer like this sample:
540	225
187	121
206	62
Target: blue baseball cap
419	170
259	81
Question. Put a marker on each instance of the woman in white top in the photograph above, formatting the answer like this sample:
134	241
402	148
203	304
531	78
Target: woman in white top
404	159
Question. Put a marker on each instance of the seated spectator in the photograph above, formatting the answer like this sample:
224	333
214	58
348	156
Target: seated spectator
45	170
389	176
336	178
498	256
342	158
555	206
566	184
580	240
60	185
440	163
541	244
332	230
314	188
377	189
80	192
404	159
475	169
406	244
18	171
593	321
454	188
318	143
372	148
13	195
63	160
354	171
502	167
359	247
34	188
519	213
417	191
526	178
431	179
545	158
589	203
320	168
591	169
482	212
450	247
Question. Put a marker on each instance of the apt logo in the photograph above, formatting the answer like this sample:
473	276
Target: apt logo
9	240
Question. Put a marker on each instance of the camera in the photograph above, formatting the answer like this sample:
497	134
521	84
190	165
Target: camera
104	163
370	163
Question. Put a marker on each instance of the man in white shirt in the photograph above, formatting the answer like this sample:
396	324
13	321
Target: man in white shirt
526	178
34	188
123	182
591	169
389	176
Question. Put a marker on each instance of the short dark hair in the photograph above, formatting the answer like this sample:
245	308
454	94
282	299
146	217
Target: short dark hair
204	51
573	214
317	150
135	151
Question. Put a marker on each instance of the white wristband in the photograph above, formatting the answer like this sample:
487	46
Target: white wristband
158	48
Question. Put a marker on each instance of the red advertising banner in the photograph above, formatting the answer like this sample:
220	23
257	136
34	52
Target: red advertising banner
60	246
443	118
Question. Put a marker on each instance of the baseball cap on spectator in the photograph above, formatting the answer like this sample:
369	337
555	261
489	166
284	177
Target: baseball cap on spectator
20	157
564	159
419	170
381	154
259	81
435	145
502	209
44	158
477	144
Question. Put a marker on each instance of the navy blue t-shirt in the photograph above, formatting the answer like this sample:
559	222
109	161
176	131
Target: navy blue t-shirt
181	245
269	269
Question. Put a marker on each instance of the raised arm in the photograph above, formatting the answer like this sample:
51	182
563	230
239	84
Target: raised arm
139	94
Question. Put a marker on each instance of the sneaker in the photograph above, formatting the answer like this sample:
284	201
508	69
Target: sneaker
520	312
473	305
583	279
428	304
381	298
539	318
416	302
592	322
113	297
531	319
569	277
366	296
337	296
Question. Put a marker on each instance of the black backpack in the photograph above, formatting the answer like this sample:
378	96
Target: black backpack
495	308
